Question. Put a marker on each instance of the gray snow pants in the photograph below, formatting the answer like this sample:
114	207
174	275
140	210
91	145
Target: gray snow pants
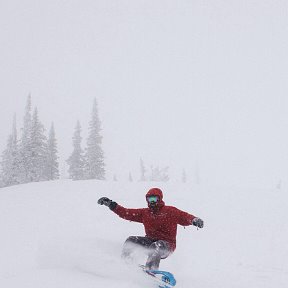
155	249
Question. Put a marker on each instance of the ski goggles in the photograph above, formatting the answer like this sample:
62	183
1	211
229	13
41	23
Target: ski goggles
152	199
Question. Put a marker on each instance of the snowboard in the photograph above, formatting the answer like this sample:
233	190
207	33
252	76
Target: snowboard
164	279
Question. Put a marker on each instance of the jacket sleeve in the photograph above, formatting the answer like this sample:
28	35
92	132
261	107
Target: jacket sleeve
184	218
135	215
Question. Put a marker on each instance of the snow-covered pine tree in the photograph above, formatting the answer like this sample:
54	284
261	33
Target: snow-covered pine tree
1	180
9	177
94	155
184	176
10	159
38	150
164	174
76	159
25	164
142	170
130	177
158	174
52	165
279	185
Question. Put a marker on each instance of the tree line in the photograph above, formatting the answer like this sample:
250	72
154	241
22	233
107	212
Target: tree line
33	156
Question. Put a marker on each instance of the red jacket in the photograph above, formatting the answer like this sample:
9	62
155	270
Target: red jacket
160	223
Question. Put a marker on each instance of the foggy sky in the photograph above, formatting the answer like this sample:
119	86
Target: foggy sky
177	82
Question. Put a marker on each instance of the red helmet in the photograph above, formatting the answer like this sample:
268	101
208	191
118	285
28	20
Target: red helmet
154	198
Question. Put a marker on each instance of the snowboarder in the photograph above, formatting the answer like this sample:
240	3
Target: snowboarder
160	223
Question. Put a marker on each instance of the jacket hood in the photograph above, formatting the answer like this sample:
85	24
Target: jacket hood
156	192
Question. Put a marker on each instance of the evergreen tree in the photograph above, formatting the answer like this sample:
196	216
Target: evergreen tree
184	176
38	150
25	164
279	185
130	177
142	171
94	155
52	165
10	160
1	180
76	159
158	174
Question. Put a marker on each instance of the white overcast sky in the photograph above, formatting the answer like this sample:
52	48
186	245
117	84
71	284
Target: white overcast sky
177	82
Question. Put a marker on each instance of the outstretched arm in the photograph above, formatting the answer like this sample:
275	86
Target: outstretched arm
134	215
186	219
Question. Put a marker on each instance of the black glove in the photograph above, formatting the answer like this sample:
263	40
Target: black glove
107	202
198	222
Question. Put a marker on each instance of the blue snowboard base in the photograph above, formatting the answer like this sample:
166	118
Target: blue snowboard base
164	279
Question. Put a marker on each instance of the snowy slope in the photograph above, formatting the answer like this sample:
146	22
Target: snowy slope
53	234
